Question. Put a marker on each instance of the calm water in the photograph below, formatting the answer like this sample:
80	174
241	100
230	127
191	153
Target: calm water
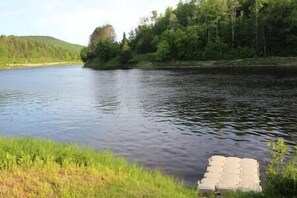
172	120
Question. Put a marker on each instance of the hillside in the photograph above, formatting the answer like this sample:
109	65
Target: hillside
55	42
36	49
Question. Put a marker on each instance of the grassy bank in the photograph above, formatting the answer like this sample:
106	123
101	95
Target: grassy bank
31	167
248	62
39	168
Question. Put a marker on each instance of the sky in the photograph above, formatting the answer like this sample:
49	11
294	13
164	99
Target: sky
74	20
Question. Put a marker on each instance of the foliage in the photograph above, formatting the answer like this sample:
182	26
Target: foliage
106	50
3	53
144	40
84	54
281	175
242	52
215	30
215	50
41	168
125	54
105	32
163	51
14	50
54	42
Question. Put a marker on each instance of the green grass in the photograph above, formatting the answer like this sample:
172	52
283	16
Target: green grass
32	167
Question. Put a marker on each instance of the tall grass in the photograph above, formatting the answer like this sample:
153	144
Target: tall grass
32	167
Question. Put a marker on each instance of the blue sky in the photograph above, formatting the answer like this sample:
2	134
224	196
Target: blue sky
74	20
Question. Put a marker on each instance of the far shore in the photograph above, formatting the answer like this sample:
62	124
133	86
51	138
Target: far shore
29	65
243	63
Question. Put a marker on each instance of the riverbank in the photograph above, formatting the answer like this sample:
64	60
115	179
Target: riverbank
31	167
249	62
41	168
29	65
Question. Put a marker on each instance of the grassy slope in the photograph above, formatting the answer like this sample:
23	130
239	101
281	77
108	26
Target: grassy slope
38	168
55	42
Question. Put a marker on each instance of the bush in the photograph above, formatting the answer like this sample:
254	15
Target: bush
125	56
163	51
84	54
281	175
106	50
215	50
243	52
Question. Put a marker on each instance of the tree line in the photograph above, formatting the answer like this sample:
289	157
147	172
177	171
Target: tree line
203	30
15	49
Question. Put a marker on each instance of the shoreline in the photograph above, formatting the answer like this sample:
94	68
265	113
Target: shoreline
32	65
238	63
169	67
285	62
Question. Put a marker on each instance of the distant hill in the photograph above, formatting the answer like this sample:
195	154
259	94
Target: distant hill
55	42
37	49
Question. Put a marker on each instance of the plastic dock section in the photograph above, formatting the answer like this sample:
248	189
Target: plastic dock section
230	174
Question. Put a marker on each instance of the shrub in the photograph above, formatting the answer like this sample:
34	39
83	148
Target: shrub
84	54
125	56
243	52
281	175
163	51
142	58
215	50
106	50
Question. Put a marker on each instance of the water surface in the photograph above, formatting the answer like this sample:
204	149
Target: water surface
171	120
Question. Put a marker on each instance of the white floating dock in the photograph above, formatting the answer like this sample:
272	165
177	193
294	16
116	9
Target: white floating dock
229	174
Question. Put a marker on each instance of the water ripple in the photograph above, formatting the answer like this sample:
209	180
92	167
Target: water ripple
171	120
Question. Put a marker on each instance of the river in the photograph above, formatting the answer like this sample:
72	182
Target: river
173	120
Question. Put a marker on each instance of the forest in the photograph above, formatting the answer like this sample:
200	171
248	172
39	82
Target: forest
201	30
36	49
